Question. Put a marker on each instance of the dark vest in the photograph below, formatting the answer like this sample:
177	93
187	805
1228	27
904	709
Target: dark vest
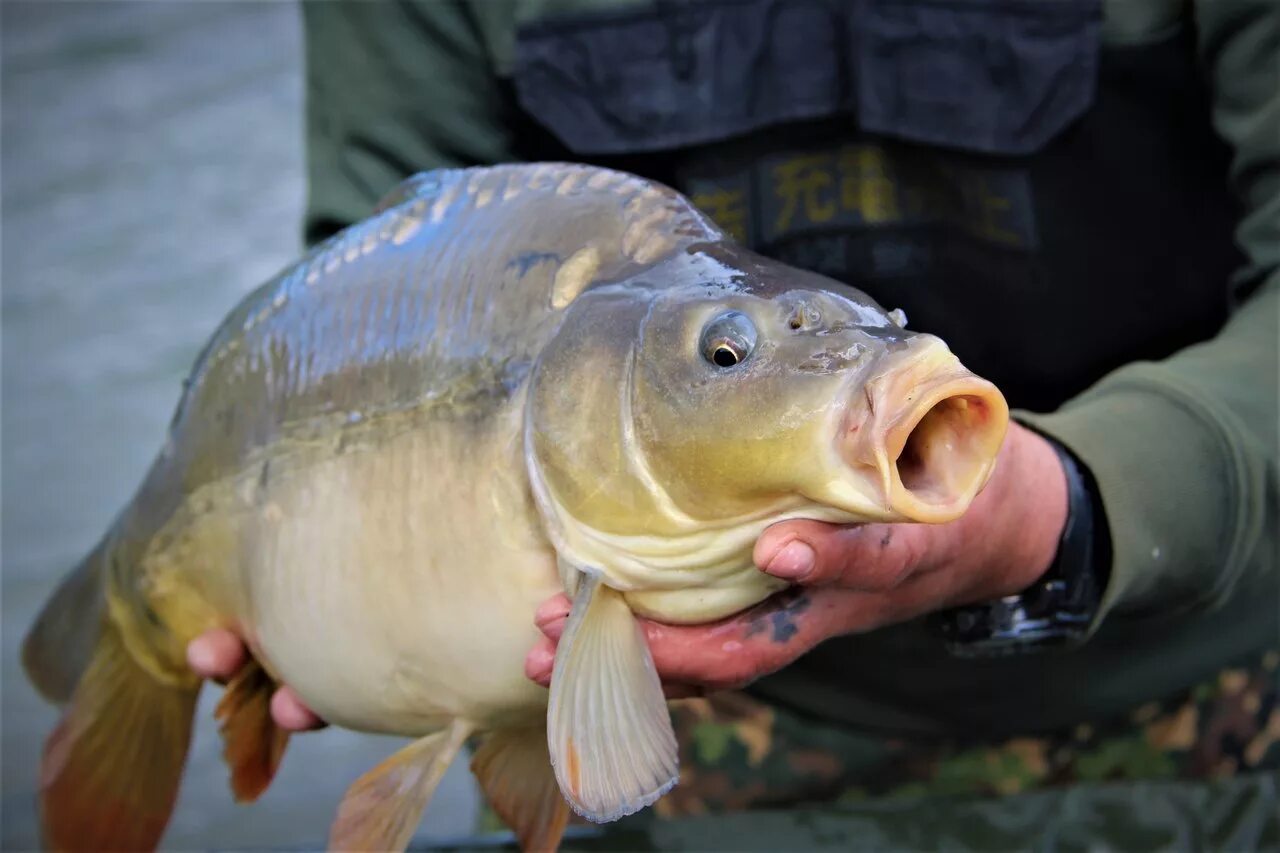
1051	209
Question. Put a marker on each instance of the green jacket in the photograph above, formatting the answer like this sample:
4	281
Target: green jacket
1082	198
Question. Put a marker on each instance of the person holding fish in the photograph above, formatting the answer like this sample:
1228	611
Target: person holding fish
1078	550
935	196
1129	518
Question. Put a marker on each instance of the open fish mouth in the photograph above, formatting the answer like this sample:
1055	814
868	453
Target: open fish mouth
928	432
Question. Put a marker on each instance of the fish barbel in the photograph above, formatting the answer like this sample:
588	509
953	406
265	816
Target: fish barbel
506	383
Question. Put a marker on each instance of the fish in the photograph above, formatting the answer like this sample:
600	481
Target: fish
506	383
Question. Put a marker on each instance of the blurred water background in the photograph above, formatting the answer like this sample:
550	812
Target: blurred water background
151	173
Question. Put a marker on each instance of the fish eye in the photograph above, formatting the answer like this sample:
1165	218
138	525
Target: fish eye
728	339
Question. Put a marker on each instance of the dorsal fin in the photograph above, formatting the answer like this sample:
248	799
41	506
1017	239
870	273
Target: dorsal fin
644	198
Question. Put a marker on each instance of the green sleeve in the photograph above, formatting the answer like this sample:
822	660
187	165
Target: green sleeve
395	88
1184	451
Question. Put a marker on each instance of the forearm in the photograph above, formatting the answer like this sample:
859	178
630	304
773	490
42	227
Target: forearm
1184	455
1184	451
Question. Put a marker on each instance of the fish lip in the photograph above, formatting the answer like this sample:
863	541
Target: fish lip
926	432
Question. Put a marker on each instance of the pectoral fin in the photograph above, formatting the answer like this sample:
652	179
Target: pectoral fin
382	808
608	728
514	769
252	742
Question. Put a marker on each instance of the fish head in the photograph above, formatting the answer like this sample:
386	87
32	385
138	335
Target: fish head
774	386
721	392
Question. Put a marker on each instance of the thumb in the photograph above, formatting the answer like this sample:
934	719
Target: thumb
867	557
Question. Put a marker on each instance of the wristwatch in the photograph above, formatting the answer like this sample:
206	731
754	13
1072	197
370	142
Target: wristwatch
1058	609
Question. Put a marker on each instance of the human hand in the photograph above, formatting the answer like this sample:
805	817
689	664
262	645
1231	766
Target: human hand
852	579
219	654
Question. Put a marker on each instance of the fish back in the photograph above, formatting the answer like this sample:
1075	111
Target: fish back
442	299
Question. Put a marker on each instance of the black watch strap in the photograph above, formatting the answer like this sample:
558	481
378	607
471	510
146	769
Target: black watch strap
1058	609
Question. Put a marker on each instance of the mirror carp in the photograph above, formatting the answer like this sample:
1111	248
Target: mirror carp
506	383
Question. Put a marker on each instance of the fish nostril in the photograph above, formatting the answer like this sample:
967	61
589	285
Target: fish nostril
803	317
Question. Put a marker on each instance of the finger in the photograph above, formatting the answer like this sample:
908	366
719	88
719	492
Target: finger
553	628
555	608
738	650
766	638
540	660
217	653
866	557
289	712
735	651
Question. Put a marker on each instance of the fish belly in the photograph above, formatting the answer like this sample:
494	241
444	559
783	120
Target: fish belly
393	585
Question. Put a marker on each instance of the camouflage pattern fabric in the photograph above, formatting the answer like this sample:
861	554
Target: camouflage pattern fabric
1237	814
738	753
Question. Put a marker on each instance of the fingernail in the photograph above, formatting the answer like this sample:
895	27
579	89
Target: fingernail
201	658
793	562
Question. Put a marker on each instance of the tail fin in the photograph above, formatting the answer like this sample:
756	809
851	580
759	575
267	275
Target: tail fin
59	646
111	768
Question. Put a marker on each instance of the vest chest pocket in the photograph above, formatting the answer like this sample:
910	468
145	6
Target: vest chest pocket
989	76
995	77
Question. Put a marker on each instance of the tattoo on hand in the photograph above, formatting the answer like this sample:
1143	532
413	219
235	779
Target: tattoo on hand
779	615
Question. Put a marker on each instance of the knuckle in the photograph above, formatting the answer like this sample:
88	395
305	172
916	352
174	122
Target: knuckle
896	571
896	563
874	569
